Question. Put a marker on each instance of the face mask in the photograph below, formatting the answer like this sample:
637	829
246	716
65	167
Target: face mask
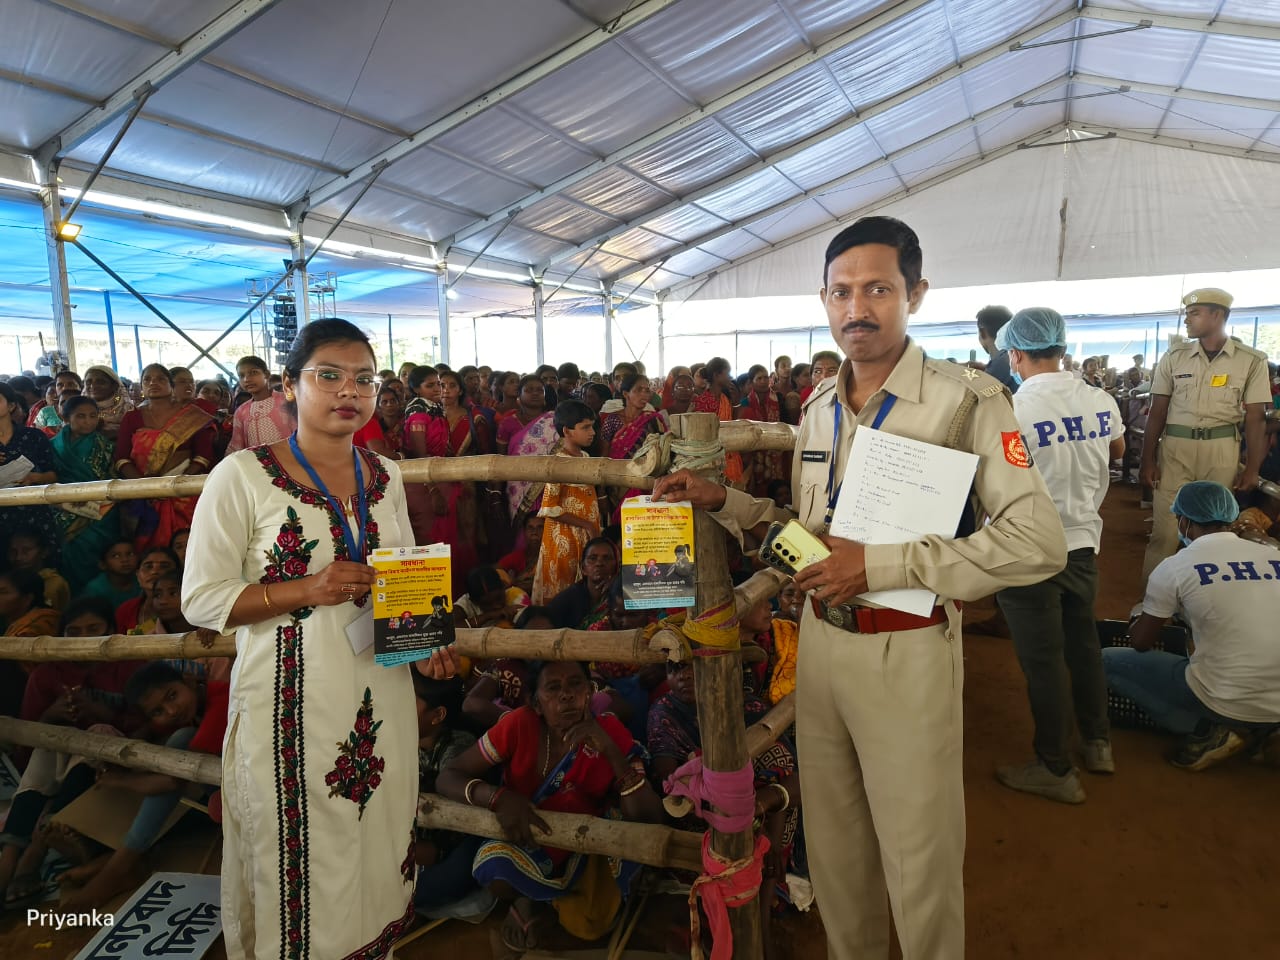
1017	377
1182	537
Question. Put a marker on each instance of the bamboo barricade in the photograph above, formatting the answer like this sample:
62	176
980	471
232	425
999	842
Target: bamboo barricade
718	681
765	732
739	435
651	844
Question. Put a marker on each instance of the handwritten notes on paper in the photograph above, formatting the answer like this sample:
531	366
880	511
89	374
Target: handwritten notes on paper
171	915
897	490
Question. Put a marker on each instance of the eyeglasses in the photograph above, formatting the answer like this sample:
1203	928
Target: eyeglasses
333	379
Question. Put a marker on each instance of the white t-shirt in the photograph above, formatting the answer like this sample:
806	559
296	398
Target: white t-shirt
1067	427
1228	590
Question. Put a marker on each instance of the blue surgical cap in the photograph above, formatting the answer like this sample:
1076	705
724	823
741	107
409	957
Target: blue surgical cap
1035	328
1203	501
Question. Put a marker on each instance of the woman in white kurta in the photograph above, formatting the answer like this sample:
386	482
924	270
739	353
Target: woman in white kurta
320	761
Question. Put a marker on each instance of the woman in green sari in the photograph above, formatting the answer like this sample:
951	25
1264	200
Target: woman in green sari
81	452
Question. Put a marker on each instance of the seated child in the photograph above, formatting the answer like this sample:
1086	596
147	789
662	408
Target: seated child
187	717
443	857
29	551
153	562
166	602
118	581
488	602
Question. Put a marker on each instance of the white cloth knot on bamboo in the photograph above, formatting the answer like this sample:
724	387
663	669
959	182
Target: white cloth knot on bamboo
673	453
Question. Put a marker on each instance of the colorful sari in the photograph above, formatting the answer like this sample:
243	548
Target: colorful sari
583	782
562	544
187	438
457	526
111	411
87	528
537	439
765	466
30	443
624	440
712	401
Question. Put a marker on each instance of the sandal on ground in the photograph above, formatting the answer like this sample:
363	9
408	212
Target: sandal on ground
520	931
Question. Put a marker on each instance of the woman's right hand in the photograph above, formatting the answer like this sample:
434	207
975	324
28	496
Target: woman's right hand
517	817
340	582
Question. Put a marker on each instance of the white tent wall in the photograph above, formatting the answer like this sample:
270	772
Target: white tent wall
1133	209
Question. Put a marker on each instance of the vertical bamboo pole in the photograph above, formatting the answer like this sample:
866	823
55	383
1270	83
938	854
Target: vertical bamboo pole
719	688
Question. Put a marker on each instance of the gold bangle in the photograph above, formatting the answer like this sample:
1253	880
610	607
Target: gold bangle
627	791
466	792
266	598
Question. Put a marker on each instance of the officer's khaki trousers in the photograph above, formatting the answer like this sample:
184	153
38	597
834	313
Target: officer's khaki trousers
1181	461
879	736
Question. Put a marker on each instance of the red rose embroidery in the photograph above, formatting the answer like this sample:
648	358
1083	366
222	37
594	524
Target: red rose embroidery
357	772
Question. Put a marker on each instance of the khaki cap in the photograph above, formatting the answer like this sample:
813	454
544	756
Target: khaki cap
1211	295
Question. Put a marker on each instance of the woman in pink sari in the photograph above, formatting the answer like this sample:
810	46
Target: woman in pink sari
162	438
624	433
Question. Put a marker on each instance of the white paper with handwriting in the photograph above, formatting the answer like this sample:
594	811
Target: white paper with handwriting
898	490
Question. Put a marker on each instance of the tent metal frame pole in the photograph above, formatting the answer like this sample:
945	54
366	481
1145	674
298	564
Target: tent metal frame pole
137	347
662	366
140	98
111	330
538	325
55	249
606	306
302	282
141	298
391	346
562	283
17	341
442	310
333	227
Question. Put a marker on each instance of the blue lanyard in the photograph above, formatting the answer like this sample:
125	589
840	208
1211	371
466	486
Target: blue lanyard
833	489
355	549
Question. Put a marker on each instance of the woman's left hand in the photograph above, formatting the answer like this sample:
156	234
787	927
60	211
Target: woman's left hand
590	732
442	664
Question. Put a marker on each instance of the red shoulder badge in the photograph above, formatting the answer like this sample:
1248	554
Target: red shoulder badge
1015	451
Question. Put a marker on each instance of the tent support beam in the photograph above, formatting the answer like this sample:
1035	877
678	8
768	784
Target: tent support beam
779	208
141	298
606	306
140	98
1180	92
163	70
1167	141
538	327
442	311
716	106
55	248
1224	28
636	14
814	139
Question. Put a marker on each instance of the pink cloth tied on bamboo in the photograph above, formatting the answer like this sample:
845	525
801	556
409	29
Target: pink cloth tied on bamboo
723	884
733	793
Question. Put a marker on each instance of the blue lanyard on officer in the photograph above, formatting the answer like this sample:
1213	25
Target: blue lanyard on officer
833	489
355	548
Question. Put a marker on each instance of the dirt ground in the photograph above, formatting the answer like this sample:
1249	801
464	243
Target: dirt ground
1157	864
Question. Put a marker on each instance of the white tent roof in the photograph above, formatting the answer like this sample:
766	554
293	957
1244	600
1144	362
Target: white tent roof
669	141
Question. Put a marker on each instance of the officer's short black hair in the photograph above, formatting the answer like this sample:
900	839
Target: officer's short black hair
992	318
887	230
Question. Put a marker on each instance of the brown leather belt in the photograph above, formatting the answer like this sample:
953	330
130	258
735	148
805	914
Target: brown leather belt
856	619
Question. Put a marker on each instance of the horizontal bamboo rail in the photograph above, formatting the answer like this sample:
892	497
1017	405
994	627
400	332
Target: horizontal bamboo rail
648	843
134	754
651	844
765	732
610	646
740	435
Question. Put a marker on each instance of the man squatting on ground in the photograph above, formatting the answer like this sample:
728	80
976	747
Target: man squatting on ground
879	699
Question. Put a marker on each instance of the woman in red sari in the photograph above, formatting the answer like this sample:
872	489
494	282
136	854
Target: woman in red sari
677	391
623	433
715	399
161	438
384	433
467	433
761	404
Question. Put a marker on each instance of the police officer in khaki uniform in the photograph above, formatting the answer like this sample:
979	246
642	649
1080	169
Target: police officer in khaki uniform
878	692
1193	431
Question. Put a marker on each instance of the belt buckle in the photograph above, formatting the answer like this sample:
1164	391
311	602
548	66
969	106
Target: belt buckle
841	615
1199	433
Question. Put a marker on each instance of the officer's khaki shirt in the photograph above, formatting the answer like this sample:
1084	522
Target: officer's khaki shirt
1023	542
1209	393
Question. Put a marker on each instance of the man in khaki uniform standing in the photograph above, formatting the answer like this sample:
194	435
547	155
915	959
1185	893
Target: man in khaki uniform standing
878	692
1193	430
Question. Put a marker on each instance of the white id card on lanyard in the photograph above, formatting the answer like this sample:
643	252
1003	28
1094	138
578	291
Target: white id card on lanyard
360	631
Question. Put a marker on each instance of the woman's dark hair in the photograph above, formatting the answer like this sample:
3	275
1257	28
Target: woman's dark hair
754	369
714	367
629	382
73	375
387	388
11	395
827	355
533	613
452	375
102	554
169	576
147	678
21	385
167	551
257	363
536	668
321	333
440	693
480	580
885	230
100	607
174	371
597	542
775	486
799	370
70	405
156	366
28	583
418	376
531	378
570	413
601	391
